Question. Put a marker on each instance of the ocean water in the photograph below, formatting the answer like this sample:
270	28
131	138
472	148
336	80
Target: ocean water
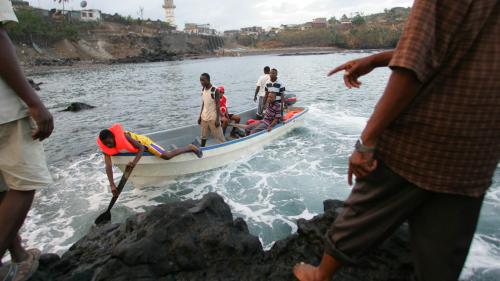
287	180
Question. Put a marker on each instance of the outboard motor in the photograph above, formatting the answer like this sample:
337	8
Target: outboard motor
290	99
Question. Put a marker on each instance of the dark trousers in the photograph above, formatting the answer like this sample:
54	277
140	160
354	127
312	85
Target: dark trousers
441	225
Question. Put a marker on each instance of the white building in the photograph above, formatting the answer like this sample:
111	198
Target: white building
169	12
90	15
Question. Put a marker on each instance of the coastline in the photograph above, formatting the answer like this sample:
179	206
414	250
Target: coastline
31	69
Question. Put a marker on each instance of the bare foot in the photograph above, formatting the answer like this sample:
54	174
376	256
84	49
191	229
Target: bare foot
306	272
196	150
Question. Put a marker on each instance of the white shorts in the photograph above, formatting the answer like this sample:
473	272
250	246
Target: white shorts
23	165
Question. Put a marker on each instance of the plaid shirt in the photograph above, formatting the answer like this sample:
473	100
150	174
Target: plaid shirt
448	140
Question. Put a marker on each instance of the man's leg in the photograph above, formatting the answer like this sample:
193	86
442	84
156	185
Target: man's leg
224	124
441	233
378	204
167	155
236	119
204	132
260	127
17	251
159	151
13	211
260	107
250	127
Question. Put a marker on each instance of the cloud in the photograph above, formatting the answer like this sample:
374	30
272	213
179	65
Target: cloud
234	14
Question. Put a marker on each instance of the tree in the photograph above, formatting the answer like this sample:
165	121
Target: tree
333	21
358	20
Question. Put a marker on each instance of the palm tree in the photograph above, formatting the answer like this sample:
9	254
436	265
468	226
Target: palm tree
61	1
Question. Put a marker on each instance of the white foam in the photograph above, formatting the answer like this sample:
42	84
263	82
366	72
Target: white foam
483	256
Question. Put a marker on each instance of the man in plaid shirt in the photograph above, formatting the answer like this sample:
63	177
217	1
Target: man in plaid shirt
429	151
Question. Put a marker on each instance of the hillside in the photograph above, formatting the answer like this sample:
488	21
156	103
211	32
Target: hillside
41	40
373	31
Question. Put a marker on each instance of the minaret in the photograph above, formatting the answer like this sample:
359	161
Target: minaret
169	12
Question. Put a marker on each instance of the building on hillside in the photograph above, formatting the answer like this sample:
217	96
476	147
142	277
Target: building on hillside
200	29
253	30
306	26
320	23
73	15
90	15
169	12
231	33
290	27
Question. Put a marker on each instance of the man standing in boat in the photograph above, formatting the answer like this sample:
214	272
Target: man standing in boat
276	87
260	91
209	119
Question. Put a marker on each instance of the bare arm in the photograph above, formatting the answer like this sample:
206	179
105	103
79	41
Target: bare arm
402	88
256	93
109	173
217	107
11	73
362	66
271	126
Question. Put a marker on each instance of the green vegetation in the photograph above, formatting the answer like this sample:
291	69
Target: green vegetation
130	21
359	32
33	27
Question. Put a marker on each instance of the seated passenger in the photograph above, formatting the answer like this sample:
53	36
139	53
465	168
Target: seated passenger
271	118
226	118
115	140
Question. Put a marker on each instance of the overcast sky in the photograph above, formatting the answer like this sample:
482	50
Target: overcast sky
234	14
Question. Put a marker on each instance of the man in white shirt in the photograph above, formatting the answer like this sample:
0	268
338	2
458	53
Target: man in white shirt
23	168
209	119
261	92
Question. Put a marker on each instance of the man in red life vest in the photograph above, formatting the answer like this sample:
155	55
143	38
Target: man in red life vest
115	140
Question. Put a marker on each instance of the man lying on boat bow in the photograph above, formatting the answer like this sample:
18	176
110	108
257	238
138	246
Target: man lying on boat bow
115	140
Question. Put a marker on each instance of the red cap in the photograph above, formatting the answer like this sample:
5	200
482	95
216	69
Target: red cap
221	89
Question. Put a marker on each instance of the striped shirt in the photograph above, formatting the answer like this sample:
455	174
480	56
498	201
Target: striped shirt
275	87
273	111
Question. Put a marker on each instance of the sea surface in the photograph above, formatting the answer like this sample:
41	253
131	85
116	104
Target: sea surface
289	179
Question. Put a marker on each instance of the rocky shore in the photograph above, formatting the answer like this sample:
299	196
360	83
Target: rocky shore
200	240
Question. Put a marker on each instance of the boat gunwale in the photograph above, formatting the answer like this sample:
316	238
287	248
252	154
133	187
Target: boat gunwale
227	143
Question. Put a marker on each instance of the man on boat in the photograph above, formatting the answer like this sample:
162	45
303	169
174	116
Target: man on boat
24	123
115	140
271	117
225	116
429	151
276	87
260	91
209	119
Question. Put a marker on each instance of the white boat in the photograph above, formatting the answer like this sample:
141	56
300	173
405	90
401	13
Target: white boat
151	170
